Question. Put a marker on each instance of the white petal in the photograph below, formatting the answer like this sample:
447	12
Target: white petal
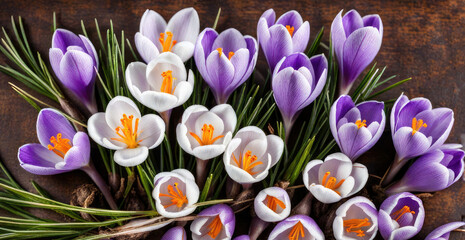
166	61
346	187
131	157
101	133
227	114
310	173
183	141
184	89
209	118
209	151
275	148
360	175
152	131
118	106
151	25
184	50
157	101
324	195
336	168
146	48
185	25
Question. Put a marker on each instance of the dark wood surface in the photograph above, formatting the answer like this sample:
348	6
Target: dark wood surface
422	39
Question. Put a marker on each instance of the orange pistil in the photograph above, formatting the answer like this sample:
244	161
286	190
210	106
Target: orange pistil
355	225
290	30
296	231
273	203
331	183
167	84
168	43
416	125
215	227
177	197
230	54
398	214
128	134
361	123
207	135
60	145
248	162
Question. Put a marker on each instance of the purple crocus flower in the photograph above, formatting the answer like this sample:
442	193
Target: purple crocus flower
356	41
401	216
434	171
225	60
416	129
75	62
356	128
242	237
297	227
177	233
297	82
443	232
218	222
289	34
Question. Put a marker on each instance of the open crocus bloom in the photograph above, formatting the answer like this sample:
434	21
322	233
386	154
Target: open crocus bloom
356	219
178	36
205	134
175	233
334	178
289	34
61	148
161	85
401	216
215	222
297	227
443	232
356	41
272	204
356	128
122	128
175	193
250	155
225	61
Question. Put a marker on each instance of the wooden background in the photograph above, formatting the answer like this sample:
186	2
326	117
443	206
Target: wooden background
422	39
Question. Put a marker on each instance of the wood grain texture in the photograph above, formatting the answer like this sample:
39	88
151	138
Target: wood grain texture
422	39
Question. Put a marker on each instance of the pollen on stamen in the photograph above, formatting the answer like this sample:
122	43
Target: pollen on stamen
166	43
361	123
290	30
207	135
416	125
399	213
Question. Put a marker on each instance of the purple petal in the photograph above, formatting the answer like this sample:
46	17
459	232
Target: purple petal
38	160
229	40
77	156
78	74
279	46
371	111
291	18
352	139
242	237
443	231
296	61
320	69
240	63
300	37
50	122
409	110
203	48
373	21
175	233
351	22
220	72
263	33
408	145
399	104
339	108
151	25
63	38
90	49
439	121
55	55
270	16
454	161
338	36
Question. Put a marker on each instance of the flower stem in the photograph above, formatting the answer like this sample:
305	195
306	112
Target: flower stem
257	226
201	170
395	168
288	128
305	205
98	180
166	118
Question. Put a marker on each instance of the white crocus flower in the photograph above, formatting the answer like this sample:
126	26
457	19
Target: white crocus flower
175	193
122	128
250	155
335	178
161	85
178	36
272	204
205	134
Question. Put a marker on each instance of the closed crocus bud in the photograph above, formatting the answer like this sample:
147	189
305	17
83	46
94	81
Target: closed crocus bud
416	129
272	204
225	60
175	193
401	216
175	233
289	34
122	128
215	222
356	128
75	63
297	227
356	219
356	41
334	178
297	82
155	36
250	155
443	232
434	171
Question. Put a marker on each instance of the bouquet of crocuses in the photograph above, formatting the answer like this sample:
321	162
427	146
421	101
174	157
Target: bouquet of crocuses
190	138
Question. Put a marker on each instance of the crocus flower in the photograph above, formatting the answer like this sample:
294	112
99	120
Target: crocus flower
250	155
178	36
218	222
297	82
356	41
416	129
272	204
289	34
401	216
75	62
356	128
334	178
297	227
175	193
434	171
242	237
122	128
175	233
356	219
225	60
161	85
443	232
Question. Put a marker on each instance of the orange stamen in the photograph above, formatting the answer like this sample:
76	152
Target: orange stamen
167	84
355	225
416	125
331	183
273	203
60	145
177	197
398	214
296	231
128	135
207	135
220	51
215	227
361	123
290	30
248	162
166	44
230	55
